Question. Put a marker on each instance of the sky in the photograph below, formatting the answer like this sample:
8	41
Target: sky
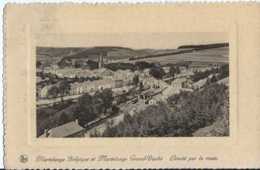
131	40
154	40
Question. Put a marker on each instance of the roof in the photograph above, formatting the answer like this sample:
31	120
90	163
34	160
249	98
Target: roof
66	130
200	83
149	93
224	81
106	72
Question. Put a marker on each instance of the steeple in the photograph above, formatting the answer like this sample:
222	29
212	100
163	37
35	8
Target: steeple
101	60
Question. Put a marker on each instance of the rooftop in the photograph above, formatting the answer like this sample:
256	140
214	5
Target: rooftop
65	130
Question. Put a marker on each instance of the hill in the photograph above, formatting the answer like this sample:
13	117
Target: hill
204	46
53	55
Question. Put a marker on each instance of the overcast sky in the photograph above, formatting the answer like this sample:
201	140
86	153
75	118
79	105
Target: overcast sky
154	40
132	40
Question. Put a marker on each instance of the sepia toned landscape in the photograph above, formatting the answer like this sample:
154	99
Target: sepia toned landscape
115	91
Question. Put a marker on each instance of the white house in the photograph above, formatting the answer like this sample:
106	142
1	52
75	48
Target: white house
44	91
69	129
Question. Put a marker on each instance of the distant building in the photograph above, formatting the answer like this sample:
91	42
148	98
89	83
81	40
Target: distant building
101	61
146	95
224	81
178	83
119	83
199	84
105	84
71	129
91	86
185	73
152	102
106	73
166	69
43	92
122	90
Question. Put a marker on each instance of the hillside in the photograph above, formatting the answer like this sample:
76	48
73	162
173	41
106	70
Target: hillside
215	52
220	127
204	46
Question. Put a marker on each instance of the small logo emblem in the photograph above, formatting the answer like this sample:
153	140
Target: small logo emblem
23	158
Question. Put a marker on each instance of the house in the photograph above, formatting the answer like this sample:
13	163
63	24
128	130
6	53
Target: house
106	73
146	95
187	83
125	75
199	84
104	84
70	129
91	86
122	90
178	83
152	102
224	81
119	83
43	93
166	69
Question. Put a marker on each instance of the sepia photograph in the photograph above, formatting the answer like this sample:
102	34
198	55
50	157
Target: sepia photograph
139	85
128	86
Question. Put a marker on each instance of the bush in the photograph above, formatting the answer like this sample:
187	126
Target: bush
141	65
191	112
91	107
157	72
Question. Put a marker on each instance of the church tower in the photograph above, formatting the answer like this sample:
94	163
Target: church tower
101	60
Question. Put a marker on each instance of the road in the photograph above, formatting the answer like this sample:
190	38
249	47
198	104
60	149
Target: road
56	100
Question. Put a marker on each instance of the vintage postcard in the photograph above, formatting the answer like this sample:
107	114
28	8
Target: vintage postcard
132	86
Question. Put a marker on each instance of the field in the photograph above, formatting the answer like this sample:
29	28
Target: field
49	56
216	55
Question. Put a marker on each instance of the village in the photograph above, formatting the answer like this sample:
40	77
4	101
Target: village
132	90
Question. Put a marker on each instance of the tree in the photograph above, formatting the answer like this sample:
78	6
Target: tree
136	80
213	79
107	97
224	71
174	70
98	103
120	66
115	109
191	111
157	72
53	91
38	64
86	111
78	63
64	87
141	65
141	86
63	118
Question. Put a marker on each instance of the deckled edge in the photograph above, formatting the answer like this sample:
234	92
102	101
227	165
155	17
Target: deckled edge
119	3
134	3
4	82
